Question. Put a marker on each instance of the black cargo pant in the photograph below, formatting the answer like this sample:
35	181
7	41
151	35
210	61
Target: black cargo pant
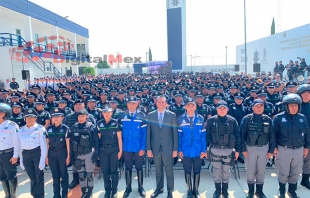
109	168
8	170
31	160
57	163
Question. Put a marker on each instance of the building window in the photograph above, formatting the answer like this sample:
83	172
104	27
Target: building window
36	37
18	31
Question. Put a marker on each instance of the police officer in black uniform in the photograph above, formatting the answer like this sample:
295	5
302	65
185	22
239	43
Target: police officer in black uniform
258	143
70	120
110	150
58	157
223	136
304	92
84	152
293	140
44	116
17	115
14	84
92	109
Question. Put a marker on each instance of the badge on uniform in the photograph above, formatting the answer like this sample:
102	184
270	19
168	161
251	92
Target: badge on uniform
61	130
301	120
125	117
101	125
113	124
50	130
283	120
183	122
60	139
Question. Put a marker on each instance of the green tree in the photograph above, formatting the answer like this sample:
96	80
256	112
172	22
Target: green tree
89	70
273	27
150	55
103	65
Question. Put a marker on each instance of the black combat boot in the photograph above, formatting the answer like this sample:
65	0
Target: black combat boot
281	190
259	191
305	181
84	192
6	188
140	183
196	185
89	192
251	191
225	190
128	175
217	192
188	180
75	180
292	191
13	187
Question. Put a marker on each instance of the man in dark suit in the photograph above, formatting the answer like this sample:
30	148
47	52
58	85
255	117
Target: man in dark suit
162	144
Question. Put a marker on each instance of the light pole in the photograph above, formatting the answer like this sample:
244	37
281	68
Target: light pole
226	57
118	61
58	50
245	50
191	63
146	53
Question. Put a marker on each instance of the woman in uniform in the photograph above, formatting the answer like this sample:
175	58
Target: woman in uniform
33	152
110	150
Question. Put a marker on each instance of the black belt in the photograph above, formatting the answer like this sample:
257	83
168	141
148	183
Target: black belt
7	151
31	150
257	145
108	146
219	147
292	147
57	149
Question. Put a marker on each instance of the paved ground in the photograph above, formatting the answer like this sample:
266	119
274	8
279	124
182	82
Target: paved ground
237	188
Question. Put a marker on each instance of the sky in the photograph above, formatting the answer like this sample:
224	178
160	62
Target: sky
130	27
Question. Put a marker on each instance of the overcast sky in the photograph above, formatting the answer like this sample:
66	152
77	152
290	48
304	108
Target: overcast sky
132	26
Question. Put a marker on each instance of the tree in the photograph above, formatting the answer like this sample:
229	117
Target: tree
273	27
150	54
89	70
103	65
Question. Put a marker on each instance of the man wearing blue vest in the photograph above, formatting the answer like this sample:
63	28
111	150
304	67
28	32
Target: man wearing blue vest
133	123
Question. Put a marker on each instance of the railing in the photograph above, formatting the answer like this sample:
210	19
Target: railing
7	39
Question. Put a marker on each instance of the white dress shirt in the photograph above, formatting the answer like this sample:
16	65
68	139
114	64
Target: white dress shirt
8	137
31	138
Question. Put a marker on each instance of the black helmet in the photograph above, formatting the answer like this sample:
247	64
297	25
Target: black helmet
303	88
6	109
291	99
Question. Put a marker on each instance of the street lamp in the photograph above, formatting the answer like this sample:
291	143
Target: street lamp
58	51
226	57
146	53
245	50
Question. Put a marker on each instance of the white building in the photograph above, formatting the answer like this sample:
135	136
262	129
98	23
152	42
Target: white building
36	39
283	46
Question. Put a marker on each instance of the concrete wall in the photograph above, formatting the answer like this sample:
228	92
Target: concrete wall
13	68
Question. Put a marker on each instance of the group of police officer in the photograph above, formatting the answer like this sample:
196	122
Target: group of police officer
103	120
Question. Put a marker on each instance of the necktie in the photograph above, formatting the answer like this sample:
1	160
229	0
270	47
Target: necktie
191	121
160	119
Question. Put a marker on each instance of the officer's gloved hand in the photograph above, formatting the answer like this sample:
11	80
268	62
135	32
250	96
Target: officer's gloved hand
94	157
42	164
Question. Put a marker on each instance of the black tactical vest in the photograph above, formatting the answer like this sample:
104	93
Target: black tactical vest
258	133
